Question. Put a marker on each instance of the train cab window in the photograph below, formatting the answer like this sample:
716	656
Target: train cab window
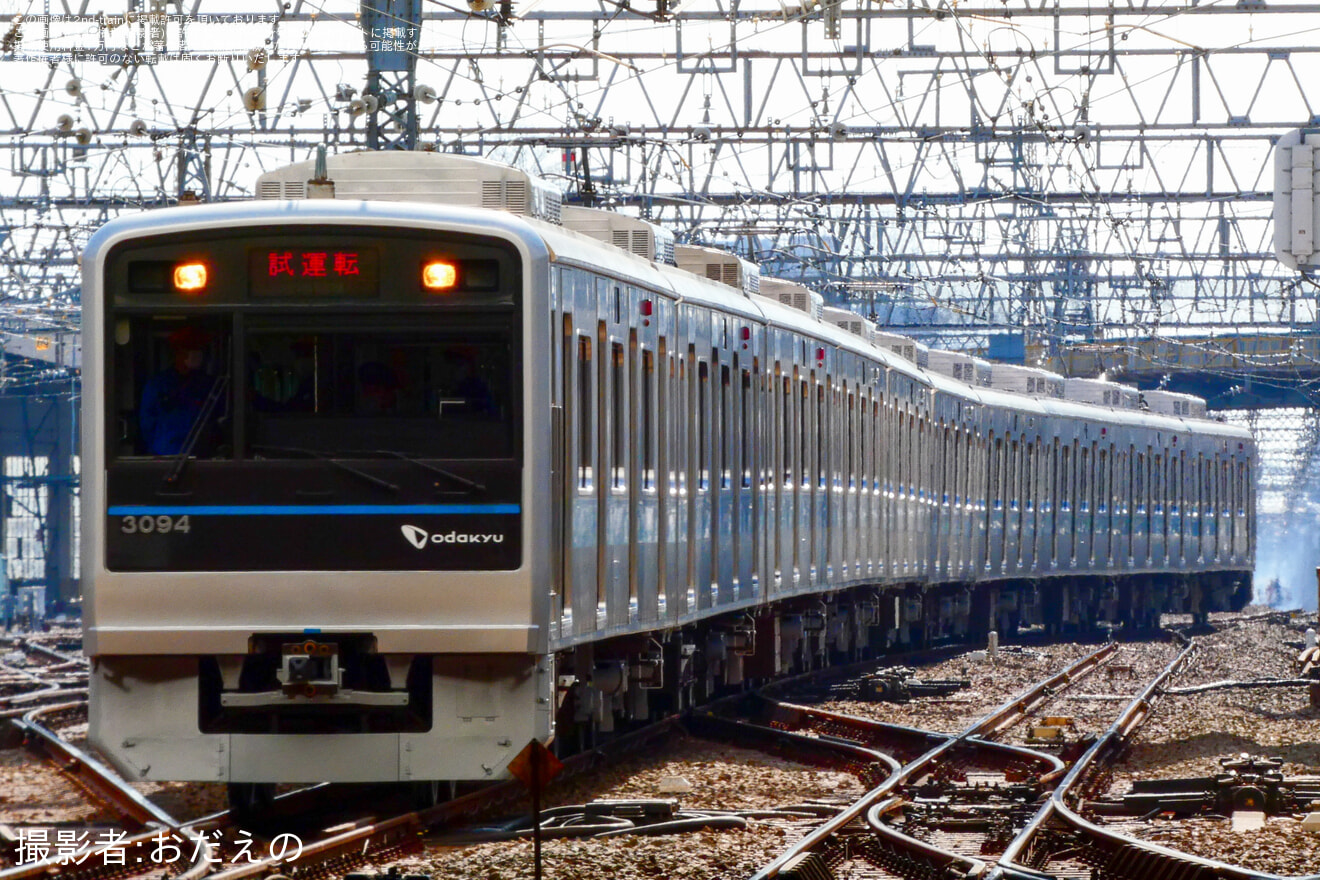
171	388
432	393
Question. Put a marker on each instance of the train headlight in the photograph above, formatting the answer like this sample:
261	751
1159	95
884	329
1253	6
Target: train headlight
190	277
439	275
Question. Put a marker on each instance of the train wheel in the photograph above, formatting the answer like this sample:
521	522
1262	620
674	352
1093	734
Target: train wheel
249	799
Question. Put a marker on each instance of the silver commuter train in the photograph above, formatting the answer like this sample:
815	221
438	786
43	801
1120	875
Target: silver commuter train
448	477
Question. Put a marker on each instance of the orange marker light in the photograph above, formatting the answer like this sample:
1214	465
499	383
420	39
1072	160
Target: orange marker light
439	275
190	277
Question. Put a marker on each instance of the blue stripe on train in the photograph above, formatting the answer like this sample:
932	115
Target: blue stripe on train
306	509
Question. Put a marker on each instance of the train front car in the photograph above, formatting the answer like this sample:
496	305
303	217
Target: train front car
310	512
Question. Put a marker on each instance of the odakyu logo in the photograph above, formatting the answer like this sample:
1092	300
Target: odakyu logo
419	537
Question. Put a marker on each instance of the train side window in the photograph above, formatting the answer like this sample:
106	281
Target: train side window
899	455
1225	488
1102	494
683	430
786	431
850	463
1084	480
703	426
921	462
1028	475
863	451
804	401
1139	489
821	476
1240	490
725	440
1064	483
877	459
585	398
745	429
1014	475
648	434
618	442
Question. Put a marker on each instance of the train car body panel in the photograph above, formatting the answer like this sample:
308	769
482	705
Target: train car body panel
705	484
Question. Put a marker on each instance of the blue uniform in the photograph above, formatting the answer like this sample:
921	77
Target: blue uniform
170	405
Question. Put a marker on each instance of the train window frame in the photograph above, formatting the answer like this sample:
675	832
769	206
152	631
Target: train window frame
618	399
726	439
1063	485
803	479
820	424
586	419
648	435
785	389
703	404
1084	479
745	425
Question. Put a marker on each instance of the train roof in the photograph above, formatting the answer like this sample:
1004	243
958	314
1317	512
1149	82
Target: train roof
567	246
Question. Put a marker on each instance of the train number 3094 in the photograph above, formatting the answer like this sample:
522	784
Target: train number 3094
159	524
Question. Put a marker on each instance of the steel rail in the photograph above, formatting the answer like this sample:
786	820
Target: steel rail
966	866
403	831
59	656
355	843
869	804
46	686
16	710
86	772
397	832
866	727
52	866
1137	851
764	737
105	786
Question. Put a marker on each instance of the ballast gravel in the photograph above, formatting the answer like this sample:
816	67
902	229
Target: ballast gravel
722	777
1187	736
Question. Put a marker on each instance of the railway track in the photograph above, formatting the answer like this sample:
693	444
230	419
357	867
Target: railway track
1062	840
896	761
861	832
56	676
221	848
207	846
1058	840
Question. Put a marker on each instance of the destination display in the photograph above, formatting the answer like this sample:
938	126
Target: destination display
314	272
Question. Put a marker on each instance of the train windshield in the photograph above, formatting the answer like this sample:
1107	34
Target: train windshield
277	388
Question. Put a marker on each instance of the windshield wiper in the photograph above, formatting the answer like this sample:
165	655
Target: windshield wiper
471	485
195	429
320	456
